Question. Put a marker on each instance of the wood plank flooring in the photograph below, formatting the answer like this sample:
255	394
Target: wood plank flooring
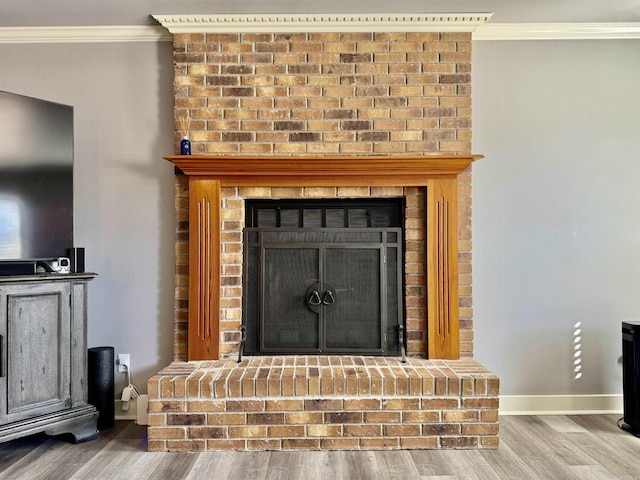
580	447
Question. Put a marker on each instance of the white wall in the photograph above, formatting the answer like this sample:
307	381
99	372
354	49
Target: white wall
122	96
556	210
556	200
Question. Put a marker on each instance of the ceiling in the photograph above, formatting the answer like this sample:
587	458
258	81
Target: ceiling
32	13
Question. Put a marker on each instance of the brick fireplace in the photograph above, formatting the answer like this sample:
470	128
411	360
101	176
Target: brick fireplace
323	115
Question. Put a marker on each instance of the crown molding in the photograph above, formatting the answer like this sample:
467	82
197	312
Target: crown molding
481	32
89	34
438	22
558	31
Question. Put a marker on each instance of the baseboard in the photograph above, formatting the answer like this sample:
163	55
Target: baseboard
509	405
560	404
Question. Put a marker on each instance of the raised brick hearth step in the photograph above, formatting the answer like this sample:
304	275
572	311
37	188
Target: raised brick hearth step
323	403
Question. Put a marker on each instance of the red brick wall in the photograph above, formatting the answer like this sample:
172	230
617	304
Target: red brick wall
323	93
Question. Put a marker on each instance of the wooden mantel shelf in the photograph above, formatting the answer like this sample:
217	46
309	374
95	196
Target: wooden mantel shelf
437	173
322	170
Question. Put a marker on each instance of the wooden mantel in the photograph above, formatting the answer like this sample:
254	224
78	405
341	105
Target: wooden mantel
438	173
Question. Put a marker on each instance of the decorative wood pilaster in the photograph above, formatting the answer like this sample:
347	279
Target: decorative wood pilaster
204	268
442	269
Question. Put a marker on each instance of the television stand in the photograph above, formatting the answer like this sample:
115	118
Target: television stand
43	360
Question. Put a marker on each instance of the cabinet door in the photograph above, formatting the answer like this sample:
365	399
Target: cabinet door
37	343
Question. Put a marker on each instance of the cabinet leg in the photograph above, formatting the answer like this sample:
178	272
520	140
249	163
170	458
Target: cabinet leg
82	428
78	422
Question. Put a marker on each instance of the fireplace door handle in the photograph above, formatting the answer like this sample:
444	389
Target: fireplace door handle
328	298
317	302
314	299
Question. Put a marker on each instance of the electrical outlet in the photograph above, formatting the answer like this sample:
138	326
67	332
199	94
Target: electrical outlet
124	362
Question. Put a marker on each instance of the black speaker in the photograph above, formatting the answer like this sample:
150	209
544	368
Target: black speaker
631	375
76	257
101	385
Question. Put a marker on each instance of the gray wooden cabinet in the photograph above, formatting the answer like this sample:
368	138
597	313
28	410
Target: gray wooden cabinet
43	357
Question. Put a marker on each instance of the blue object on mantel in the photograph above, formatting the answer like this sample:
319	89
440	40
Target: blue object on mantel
185	146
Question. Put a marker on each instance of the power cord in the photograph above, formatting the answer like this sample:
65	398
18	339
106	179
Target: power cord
45	266
129	392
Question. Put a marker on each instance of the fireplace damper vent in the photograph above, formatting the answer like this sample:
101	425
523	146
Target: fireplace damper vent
323	277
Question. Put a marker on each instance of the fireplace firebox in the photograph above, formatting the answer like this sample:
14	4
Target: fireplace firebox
324	277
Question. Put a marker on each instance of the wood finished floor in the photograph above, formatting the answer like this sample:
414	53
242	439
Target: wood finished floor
532	447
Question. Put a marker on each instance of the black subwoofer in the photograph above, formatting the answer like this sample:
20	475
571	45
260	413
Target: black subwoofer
101	385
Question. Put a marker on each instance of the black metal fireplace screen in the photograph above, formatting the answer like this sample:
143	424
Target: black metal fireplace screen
323	277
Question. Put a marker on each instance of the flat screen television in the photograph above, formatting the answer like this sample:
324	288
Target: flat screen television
36	178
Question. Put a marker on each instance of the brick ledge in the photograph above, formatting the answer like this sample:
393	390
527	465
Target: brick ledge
323	403
323	376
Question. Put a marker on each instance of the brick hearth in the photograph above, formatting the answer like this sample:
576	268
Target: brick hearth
323	402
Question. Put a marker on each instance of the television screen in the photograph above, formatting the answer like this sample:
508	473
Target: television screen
36	178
